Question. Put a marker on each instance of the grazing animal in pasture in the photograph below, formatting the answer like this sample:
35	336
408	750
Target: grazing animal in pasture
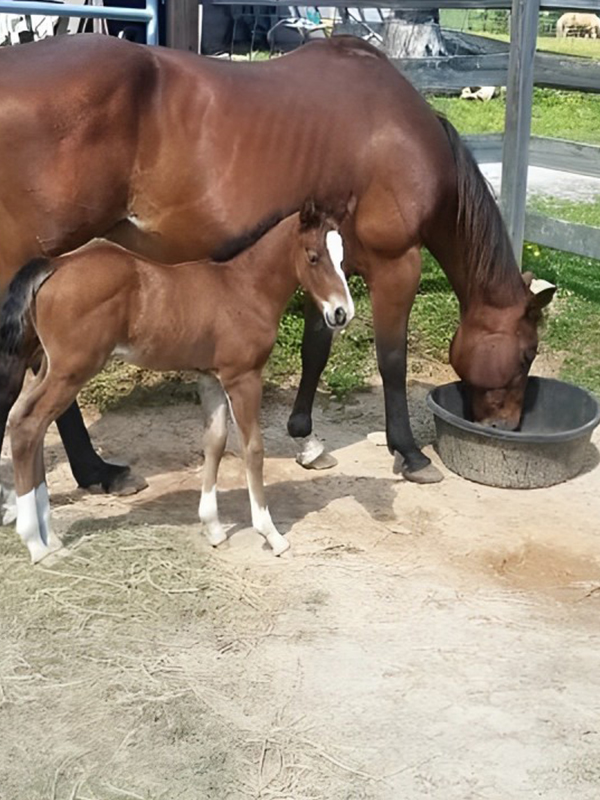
220	319
573	24
181	157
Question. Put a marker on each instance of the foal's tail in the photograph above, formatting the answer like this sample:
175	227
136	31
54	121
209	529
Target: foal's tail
15	332
14	315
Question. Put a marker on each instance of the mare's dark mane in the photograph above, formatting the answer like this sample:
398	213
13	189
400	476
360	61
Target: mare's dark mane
489	258
234	246
311	215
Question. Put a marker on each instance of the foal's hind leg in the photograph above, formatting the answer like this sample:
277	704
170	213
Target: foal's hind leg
245	395
29	421
12	374
214	409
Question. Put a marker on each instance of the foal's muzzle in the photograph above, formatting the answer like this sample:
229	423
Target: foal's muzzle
337	318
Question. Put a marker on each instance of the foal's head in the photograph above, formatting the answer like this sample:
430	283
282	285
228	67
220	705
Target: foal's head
493	350
318	262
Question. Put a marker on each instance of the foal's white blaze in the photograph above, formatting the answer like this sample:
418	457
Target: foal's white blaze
335	248
28	526
209	516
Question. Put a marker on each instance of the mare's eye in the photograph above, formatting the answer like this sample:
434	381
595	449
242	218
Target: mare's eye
312	256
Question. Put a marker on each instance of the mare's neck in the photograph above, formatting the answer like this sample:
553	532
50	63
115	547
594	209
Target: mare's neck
267	269
481	269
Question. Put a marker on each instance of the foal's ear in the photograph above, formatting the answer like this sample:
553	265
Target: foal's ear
310	216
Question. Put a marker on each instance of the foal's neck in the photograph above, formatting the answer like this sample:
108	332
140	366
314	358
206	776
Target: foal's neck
268	268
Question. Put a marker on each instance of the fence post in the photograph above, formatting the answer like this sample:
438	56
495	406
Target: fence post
182	24
519	98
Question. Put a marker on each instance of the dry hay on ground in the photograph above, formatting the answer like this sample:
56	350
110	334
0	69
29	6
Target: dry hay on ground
435	641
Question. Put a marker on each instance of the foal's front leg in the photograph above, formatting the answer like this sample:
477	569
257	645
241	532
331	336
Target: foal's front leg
214	410
245	394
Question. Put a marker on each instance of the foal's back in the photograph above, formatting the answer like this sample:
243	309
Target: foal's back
157	316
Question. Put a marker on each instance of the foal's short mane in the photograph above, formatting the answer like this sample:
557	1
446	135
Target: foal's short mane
488	256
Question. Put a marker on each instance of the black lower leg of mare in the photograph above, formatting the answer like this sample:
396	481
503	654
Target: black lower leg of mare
86	465
316	345
400	439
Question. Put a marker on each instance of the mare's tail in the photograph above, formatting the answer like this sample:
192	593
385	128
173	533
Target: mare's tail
16	331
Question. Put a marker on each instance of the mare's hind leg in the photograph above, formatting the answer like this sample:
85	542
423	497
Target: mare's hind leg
393	286
214	410
86	465
29	422
245	395
316	346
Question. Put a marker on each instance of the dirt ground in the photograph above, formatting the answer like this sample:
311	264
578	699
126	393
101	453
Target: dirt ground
422	642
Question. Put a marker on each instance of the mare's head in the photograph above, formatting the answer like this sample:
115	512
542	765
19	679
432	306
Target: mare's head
319	257
492	352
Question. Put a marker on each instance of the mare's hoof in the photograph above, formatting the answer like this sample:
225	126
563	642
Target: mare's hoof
323	461
312	455
428	474
123	482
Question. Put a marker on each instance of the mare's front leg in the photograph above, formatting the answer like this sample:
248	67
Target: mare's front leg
316	346
245	394
86	465
393	286
214	410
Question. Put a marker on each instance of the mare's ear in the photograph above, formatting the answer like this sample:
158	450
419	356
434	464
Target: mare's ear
542	293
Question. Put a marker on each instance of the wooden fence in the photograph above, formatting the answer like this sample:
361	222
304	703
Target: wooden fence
518	67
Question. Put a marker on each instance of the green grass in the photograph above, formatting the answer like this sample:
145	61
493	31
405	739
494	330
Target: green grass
557	114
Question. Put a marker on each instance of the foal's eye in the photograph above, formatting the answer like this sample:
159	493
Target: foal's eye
312	256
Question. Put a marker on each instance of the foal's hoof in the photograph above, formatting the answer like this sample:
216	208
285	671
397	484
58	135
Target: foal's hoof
38	551
122	481
323	461
280	546
428	474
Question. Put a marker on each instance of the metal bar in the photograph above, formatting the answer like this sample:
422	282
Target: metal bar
65	10
152	24
149	15
519	98
545	5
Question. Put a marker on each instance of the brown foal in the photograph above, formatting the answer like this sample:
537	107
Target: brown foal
218	318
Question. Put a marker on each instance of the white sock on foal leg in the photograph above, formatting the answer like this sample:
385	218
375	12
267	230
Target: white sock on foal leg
209	516
28	526
262	522
42	502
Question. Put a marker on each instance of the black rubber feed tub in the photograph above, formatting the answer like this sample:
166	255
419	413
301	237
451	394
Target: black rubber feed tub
550	446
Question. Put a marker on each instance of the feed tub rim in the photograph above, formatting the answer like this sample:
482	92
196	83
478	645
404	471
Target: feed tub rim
515	436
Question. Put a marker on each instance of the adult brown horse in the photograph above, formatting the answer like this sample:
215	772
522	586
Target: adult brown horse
180	157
